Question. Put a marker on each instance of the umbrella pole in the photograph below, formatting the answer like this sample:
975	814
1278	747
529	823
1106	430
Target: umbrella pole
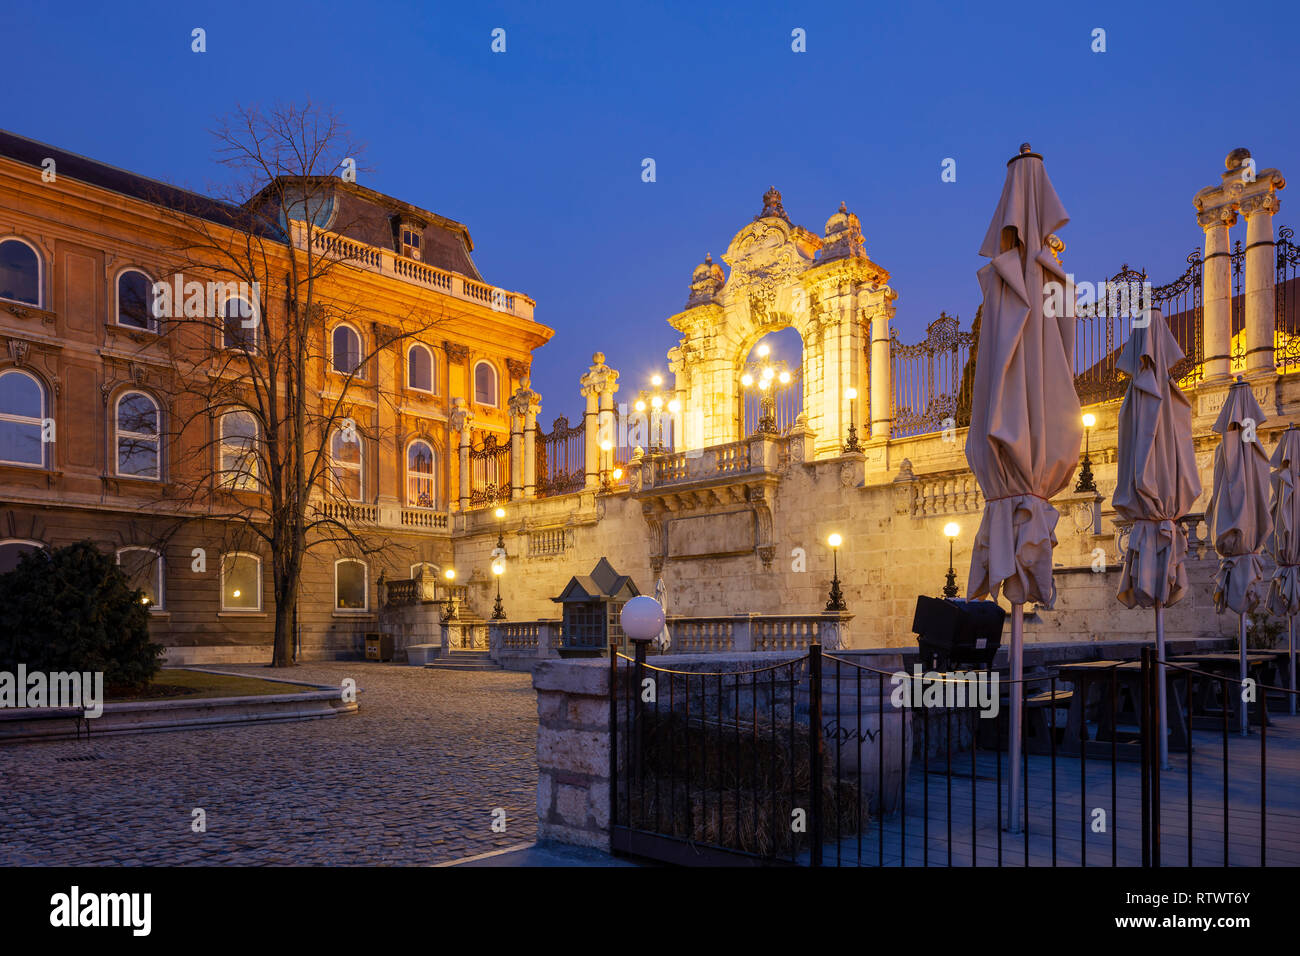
1160	686
1290	622
1241	704
1017	702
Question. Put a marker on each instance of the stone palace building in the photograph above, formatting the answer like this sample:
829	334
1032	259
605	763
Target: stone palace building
723	483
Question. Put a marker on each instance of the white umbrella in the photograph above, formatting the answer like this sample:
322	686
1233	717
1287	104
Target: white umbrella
1284	543
1157	482
664	640
1026	428
1238	510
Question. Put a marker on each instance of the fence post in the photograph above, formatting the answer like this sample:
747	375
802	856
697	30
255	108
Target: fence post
815	750
613	738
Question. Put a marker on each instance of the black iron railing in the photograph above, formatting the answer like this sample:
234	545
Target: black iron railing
722	766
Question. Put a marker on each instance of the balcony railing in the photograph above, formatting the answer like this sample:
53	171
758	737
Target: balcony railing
355	513
387	262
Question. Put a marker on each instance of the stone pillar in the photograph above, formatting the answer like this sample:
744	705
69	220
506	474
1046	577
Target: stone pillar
1216	295
597	387
461	420
1258	203
590	439
530	449
523	423
882	373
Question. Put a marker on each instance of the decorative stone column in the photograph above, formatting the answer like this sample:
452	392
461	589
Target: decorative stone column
521	403
1216	290
461	419
597	387
1259	201
882	373
530	444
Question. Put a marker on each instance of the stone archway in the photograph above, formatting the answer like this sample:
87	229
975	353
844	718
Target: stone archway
782	276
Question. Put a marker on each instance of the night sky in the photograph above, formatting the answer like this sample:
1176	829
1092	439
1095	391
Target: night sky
539	150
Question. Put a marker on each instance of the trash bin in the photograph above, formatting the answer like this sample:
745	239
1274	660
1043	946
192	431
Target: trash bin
379	647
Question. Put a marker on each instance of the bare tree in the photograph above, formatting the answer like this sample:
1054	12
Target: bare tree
256	286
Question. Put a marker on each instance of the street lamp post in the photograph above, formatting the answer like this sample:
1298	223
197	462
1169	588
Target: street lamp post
836	603
498	569
951	530
1086	482
853	444
657	401
768	376
450	602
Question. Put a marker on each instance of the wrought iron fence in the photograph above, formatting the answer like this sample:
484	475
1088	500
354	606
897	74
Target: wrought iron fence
1105	322
1287	354
561	458
933	378
813	761
489	472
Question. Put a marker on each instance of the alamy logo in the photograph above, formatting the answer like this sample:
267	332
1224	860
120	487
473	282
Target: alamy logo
74	908
950	689
192	299
83	690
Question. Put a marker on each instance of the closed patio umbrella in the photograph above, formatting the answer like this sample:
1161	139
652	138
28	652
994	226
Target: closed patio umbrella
1284	543
1157	483
1026	428
1238	510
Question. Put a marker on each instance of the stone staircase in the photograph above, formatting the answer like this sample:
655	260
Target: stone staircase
465	661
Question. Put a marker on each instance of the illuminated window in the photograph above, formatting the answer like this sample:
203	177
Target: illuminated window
143	568
421	475
241	582
351	590
346	461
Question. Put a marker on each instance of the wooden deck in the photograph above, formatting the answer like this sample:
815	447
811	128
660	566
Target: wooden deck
923	828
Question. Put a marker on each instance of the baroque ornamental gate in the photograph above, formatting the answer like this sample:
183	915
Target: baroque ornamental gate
489	472
561	459
933	378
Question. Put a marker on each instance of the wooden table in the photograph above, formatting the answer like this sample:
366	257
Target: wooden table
1119	700
1207	709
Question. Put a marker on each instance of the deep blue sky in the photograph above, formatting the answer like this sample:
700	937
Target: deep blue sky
539	150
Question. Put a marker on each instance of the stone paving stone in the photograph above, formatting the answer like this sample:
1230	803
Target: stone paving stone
412	779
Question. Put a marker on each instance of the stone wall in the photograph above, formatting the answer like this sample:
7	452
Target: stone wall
890	504
573	752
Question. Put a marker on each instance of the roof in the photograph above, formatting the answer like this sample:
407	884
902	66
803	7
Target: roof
603	583
94	173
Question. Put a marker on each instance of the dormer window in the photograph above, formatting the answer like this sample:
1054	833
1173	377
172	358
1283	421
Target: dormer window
411	235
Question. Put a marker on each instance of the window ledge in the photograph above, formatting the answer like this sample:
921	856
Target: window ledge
248	614
354	613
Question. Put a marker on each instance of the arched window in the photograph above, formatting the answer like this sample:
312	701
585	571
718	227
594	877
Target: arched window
345	350
20	272
137	436
421	475
351	585
239	319
143	567
241	581
239	463
12	551
419	368
22	414
485	384
346	460
135	300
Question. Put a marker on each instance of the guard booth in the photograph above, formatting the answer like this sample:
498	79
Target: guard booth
591	607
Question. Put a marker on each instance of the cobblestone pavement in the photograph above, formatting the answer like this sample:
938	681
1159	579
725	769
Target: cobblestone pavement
413	778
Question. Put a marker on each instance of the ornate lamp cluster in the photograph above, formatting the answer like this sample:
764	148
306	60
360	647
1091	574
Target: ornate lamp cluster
769	373
652	404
